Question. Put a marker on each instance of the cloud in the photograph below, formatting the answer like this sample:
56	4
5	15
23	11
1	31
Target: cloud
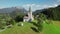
34	6
1	7
29	5
55	5
38	6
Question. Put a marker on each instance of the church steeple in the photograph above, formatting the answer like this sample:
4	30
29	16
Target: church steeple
30	9
30	16
30	12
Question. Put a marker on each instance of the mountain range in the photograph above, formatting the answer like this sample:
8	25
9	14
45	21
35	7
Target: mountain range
12	9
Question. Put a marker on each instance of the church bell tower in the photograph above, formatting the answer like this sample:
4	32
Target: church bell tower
30	14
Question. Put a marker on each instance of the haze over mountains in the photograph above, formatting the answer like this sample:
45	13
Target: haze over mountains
19	10
11	9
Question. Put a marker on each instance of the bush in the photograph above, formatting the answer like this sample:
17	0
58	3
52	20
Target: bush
40	26
12	22
40	20
18	18
2	25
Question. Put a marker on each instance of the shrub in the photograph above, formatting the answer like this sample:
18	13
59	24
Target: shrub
2	25
19	18
40	20
12	22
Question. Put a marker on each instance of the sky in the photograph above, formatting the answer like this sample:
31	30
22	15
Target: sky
35	4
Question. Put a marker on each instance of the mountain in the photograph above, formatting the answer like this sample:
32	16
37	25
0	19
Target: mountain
13	11
9	10
19	11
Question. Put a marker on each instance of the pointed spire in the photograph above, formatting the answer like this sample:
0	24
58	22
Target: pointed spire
30	9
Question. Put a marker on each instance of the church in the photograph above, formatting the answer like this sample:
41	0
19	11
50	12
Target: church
29	17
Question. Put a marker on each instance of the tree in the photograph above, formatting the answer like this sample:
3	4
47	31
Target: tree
40	20
19	18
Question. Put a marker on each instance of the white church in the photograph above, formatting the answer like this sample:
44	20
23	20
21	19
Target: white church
29	17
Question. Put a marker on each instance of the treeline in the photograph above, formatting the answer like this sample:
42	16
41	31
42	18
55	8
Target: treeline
51	13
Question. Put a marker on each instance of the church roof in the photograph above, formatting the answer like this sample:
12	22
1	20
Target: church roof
25	16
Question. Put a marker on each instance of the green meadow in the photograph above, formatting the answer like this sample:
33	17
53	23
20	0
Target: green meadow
26	29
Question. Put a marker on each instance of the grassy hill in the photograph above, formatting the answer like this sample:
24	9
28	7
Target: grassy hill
26	29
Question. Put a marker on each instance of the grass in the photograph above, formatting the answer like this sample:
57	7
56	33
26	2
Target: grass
26	29
52	28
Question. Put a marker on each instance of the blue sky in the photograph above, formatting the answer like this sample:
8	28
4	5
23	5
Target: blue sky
35	4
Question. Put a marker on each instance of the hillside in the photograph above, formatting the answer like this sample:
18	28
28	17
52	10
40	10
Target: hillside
52	13
26	29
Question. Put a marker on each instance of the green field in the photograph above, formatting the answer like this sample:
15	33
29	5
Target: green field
26	29
52	28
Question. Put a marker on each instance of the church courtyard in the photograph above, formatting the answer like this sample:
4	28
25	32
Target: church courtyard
26	29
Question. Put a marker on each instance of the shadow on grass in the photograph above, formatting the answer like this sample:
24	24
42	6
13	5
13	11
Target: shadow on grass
38	28
34	29
35	24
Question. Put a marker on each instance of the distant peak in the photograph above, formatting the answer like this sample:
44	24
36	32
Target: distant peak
18	7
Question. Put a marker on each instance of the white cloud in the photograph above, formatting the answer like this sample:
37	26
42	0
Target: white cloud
34	6
29	5
38	6
1	7
55	5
